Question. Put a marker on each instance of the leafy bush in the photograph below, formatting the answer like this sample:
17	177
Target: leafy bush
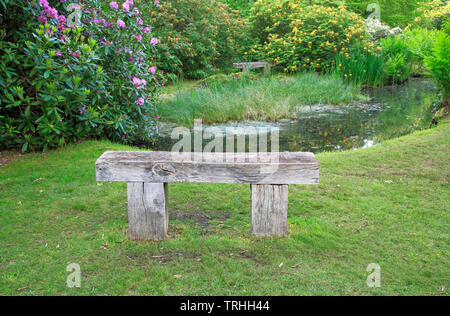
420	43
439	65
398	60
296	34
393	12
243	6
434	14
64	83
196	35
446	27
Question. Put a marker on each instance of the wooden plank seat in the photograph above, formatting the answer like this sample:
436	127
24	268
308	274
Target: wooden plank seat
148	175
246	66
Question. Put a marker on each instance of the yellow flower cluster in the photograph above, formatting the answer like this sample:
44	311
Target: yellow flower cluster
305	36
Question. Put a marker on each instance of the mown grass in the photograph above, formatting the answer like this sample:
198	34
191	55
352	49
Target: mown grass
388	205
265	99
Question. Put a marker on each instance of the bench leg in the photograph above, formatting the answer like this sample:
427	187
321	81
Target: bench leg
246	70
148	210
269	210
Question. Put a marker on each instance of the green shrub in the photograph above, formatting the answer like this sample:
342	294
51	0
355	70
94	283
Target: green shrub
393	12
439	65
446	27
434	14
398	60
63	84
196	36
298	35
243	6
420	43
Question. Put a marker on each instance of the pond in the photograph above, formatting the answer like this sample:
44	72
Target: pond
392	111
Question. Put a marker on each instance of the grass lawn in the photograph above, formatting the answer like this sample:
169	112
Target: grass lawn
387	205
264	99
171	90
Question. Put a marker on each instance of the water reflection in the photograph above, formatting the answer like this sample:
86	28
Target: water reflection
392	112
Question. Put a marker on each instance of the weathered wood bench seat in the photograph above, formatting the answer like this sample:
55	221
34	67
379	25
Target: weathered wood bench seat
148	175
252	65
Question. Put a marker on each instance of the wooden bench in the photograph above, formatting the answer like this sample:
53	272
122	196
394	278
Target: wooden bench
252	65
148	175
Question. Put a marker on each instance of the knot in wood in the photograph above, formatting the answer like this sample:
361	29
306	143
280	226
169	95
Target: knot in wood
161	169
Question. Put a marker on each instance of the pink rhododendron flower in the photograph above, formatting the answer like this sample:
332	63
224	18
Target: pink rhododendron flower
62	23
51	12
120	23
140	101
139	38
136	82
54	13
126	7
152	70
43	3
154	41
42	19
113	5
146	29
61	19
140	21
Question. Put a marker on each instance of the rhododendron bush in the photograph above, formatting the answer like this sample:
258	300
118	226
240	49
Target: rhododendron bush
84	72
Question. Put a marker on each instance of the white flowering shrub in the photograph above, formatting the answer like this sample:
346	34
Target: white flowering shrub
378	30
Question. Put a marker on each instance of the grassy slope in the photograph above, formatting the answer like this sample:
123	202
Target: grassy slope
60	219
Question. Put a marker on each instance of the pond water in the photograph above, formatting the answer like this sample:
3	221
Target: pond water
392	111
